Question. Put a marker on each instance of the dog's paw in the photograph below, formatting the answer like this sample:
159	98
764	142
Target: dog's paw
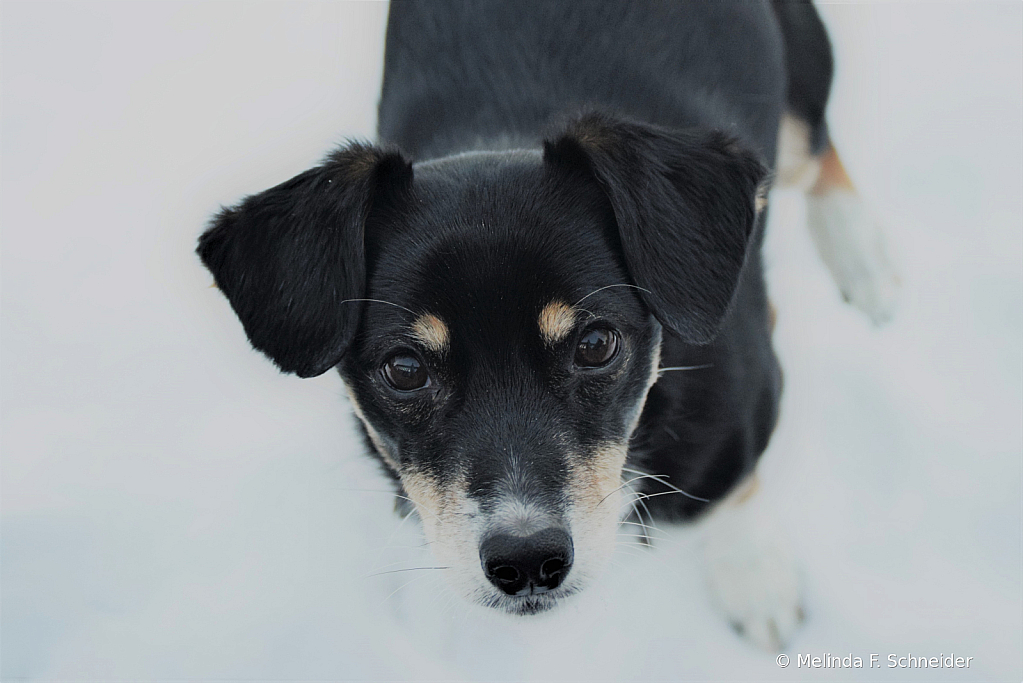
852	243
755	581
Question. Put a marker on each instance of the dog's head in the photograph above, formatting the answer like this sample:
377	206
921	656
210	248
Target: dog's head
497	319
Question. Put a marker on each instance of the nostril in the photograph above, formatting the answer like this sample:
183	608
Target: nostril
551	567
505	574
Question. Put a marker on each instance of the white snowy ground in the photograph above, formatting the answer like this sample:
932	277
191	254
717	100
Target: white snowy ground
173	508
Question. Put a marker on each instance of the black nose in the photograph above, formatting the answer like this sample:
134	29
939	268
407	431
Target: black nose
522	565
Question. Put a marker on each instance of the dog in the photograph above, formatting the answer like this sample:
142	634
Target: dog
543	289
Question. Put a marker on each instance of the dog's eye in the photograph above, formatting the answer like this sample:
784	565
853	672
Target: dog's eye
597	347
406	373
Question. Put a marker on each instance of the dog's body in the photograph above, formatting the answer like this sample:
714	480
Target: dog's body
460	79
546	305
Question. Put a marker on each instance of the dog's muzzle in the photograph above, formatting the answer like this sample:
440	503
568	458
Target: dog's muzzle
527	565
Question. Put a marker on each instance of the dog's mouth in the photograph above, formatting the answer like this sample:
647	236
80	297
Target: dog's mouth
529	605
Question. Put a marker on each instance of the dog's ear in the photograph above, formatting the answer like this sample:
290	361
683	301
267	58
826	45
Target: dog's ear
686	207
291	260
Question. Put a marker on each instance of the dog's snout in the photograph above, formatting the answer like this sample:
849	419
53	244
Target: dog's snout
524	565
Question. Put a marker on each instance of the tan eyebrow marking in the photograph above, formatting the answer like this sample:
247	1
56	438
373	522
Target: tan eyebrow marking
432	333
557	319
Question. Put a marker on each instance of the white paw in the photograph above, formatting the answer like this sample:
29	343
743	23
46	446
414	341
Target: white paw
852	243
753	578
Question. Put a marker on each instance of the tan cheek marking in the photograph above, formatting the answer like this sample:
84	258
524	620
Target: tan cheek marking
608	462
432	333
374	436
744	491
598	476
557	319
449	522
423	493
441	509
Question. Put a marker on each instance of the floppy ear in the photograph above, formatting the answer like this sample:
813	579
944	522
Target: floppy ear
291	259
685	203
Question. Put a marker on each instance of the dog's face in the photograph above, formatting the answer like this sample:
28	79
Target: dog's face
497	319
504	375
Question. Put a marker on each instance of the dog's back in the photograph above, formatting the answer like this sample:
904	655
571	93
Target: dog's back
487	74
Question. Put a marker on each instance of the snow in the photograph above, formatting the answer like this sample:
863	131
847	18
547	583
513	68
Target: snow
173	508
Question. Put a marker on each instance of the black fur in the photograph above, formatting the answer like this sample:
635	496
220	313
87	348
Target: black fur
643	208
684	204
290	260
492	74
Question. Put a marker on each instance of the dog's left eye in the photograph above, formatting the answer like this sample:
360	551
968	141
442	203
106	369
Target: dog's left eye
598	346
406	373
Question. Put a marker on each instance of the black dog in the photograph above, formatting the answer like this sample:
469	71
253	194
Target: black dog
564	292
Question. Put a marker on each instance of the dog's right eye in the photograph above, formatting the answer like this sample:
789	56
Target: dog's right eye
406	373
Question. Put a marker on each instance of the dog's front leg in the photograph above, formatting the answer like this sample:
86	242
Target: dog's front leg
750	569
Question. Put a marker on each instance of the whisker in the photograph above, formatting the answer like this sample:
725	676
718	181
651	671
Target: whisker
621	487
670	493
416	578
388	546
417	507
643	526
685	367
662	478
609	287
407	569
644	475
385	566
641	546
639	516
404	519
648	513
380	301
